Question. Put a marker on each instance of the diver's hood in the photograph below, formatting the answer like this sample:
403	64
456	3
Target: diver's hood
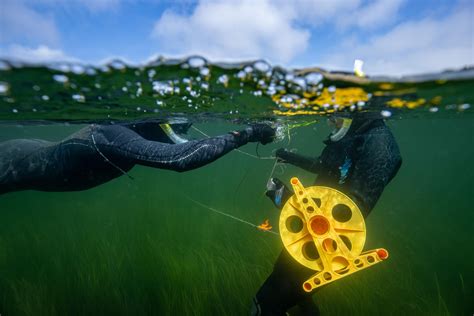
353	123
161	131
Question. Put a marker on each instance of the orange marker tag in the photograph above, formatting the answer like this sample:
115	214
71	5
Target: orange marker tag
265	226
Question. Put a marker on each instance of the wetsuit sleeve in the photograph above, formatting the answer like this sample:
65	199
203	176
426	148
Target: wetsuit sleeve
374	169
178	157
312	165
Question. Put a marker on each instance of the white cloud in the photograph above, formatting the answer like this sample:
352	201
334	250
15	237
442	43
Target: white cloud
19	22
41	54
278	30
377	13
344	13
426	45
223	30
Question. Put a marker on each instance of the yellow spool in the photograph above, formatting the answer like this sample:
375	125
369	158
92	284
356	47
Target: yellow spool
324	230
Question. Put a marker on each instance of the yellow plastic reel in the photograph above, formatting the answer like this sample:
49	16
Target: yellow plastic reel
324	230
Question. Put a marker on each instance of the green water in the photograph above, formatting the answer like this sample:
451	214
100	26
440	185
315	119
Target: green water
143	247
139	247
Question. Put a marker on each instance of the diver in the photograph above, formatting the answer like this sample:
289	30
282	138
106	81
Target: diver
360	158
99	153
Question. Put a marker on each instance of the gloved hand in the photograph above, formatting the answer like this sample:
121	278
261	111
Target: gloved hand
282	154
262	133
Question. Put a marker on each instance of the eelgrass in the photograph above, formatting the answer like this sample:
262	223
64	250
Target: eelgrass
138	248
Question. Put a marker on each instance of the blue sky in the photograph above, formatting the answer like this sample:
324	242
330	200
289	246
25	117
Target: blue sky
392	36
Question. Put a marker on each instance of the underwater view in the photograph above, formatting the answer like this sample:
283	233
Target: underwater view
236	157
202	242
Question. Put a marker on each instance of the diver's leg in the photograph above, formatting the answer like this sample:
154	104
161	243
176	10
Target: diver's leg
307	307
283	288
22	161
70	165
278	192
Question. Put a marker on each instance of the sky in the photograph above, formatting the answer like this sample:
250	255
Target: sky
392	37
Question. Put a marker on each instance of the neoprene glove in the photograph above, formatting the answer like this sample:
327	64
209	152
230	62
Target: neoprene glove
282	154
262	133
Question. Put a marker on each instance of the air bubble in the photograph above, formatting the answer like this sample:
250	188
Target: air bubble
386	113
151	73
224	79
60	78
196	62
78	98
117	64
288	77
286	99
248	69
241	74
91	71
45	97
4	87
162	88
313	78
77	69
262	66
61	67
104	68
464	107
300	82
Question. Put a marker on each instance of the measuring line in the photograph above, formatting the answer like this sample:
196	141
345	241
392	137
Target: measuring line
228	215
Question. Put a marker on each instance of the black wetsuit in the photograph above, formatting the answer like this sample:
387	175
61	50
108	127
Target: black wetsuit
360	164
99	153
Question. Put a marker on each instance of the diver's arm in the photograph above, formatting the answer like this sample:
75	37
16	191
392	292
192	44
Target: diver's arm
179	157
309	164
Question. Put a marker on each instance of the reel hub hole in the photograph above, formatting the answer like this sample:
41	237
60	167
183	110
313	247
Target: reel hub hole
342	213
317	201
310	252
319	225
294	224
341	262
329	245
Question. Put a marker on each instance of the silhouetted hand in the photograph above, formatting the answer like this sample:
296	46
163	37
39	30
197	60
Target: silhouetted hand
282	154
262	133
